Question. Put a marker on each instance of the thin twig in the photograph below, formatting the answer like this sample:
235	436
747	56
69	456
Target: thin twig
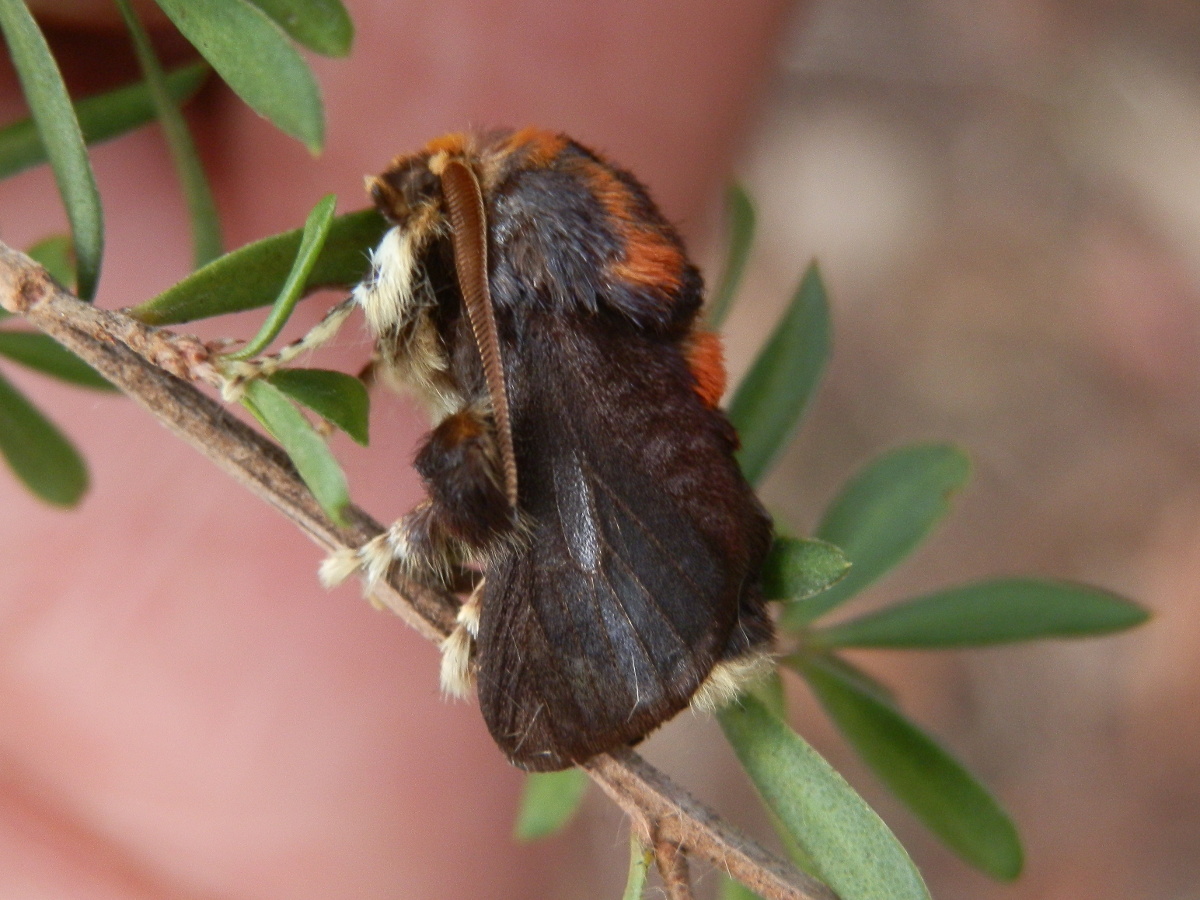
672	864
150	364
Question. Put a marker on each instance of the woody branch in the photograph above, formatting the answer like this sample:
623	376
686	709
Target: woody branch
155	367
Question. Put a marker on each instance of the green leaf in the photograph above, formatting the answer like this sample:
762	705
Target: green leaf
942	794
850	848
798	568
308	452
549	801
847	671
735	890
316	230
41	455
101	118
881	516
640	858
56	124
46	355
320	25
771	399
255	58
253	276
340	398
741	236
989	612
202	209
770	693
56	256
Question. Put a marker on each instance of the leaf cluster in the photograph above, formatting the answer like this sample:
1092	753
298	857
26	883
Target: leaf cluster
251	45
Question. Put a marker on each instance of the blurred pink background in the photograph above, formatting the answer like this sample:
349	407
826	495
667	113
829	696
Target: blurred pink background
1005	200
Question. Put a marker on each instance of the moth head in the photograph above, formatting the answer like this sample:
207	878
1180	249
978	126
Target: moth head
409	191
428	297
409	267
413	266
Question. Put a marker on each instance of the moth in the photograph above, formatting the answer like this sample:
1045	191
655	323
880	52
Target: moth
533	296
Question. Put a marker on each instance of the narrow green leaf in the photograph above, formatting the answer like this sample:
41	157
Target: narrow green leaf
798	568
56	255
549	801
308	452
640	858
771	694
323	26
254	275
735	890
255	58
44	354
340	398
741	236
101	118
312	240
41	455
942	794
881	516
866	683
771	399
989	612
56	124
202	209
851	849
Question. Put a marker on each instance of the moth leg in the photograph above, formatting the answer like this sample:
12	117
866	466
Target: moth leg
458	648
239	372
417	542
460	465
467	513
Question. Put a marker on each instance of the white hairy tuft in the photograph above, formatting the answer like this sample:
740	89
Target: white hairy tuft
338	566
730	678
456	663
376	556
468	613
387	296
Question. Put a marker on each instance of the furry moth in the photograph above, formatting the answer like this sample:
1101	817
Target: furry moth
532	295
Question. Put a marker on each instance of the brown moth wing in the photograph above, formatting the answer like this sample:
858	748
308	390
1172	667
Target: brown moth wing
644	545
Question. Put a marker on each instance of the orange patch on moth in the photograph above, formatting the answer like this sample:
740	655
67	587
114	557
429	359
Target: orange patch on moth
706	361
541	147
649	257
453	144
460	428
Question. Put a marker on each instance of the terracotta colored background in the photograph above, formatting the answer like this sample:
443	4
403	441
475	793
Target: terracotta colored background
1004	199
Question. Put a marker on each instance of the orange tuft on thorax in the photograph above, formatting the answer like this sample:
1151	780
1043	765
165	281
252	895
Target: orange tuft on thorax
650	258
453	144
541	147
706	360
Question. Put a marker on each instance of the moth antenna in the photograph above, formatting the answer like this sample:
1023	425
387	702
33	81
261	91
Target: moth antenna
468	223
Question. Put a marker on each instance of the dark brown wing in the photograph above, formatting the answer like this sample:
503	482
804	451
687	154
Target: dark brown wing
644	541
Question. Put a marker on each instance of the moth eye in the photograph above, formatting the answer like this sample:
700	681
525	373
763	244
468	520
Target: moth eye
404	188
420	185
